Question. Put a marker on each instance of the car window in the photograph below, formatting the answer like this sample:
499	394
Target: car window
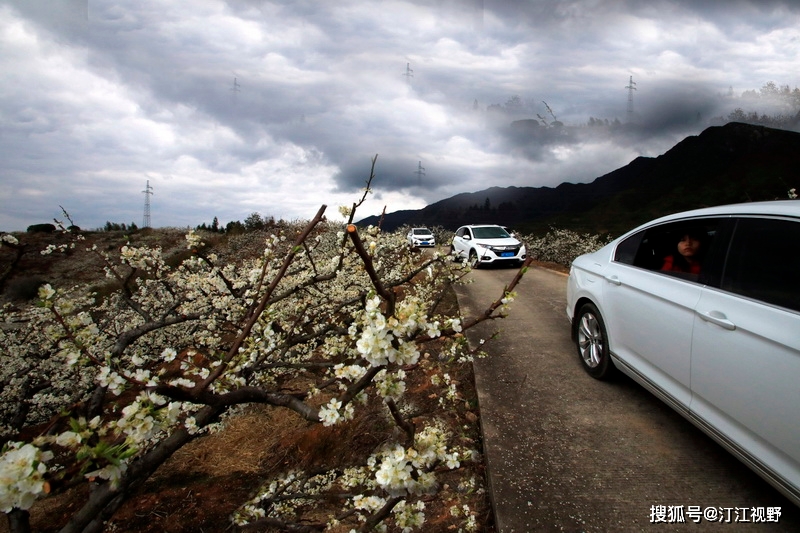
626	249
763	262
490	232
659	248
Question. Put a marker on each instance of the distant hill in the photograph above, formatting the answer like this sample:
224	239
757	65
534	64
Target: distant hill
724	164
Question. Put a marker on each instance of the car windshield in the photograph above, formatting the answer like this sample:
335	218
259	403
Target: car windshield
421	231
490	232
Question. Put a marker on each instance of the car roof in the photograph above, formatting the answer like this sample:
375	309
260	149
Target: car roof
789	208
483	226
772	207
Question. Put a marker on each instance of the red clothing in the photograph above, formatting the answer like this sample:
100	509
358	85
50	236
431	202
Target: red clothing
670	266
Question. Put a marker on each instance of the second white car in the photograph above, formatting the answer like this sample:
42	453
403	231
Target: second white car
487	244
420	237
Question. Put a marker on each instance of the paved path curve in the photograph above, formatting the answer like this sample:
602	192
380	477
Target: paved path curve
566	452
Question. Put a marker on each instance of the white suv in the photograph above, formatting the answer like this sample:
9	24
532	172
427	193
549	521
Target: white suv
702	308
487	244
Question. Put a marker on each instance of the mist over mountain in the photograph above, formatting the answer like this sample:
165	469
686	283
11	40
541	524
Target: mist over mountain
733	163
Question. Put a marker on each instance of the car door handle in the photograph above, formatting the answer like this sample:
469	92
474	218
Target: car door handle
613	279
718	318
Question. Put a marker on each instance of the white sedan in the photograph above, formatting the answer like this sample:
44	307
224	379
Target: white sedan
702	308
420	237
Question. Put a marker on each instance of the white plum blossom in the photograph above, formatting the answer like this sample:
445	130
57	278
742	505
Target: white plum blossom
22	471
409	517
69	439
395	472
46	292
508	298
169	354
391	385
112	473
368	503
349	372
329	414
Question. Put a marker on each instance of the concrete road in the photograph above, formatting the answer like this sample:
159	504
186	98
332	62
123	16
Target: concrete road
566	452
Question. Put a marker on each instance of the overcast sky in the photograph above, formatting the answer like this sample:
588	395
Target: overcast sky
277	107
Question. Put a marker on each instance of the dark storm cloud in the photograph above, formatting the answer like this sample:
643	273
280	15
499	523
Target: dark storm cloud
67	19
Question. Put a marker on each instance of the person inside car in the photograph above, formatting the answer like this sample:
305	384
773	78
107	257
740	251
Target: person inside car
688	254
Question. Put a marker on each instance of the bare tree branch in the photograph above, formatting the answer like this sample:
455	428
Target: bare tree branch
234	349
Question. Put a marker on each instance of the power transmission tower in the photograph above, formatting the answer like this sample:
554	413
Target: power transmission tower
631	87
147	192
409	73
419	172
236	88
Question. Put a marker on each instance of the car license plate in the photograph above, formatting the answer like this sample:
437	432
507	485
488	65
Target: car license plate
507	254
424	243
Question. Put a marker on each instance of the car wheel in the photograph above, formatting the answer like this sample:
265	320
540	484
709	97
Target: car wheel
592	340
474	262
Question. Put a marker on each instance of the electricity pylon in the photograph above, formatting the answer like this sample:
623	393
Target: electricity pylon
419	172
631	87
409	73
147	192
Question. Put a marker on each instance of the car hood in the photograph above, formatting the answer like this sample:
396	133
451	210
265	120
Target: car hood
505	241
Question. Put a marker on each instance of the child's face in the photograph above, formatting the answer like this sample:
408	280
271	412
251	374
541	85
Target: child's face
688	246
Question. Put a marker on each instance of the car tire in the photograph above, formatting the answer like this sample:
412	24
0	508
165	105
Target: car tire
591	339
474	262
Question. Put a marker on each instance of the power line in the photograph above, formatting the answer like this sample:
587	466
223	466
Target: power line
147	192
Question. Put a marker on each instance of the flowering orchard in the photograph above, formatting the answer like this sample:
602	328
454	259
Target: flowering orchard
102	389
562	246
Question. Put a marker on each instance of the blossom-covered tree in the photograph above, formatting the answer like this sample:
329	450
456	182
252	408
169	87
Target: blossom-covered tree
104	388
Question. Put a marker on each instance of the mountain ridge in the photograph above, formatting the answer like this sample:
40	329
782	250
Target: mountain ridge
736	162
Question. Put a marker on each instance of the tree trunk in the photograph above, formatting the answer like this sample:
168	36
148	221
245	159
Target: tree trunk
19	521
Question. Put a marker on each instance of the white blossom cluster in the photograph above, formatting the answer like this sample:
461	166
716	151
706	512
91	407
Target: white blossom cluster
383	340
467	516
8	239
562	246
22	475
393	471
